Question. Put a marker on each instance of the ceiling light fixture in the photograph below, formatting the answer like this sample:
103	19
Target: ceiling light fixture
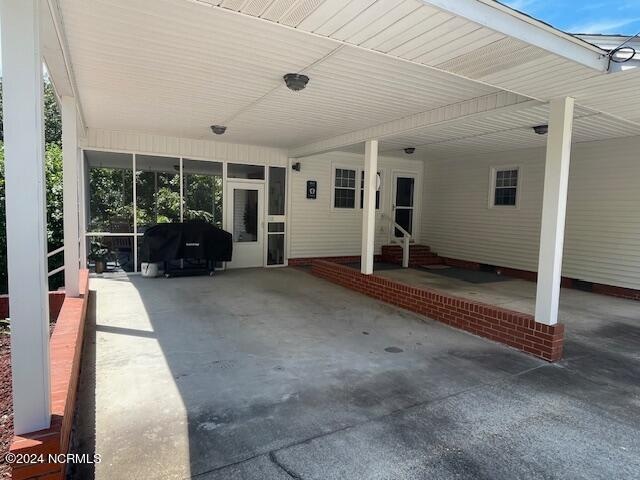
218	129
409	150
296	81
541	129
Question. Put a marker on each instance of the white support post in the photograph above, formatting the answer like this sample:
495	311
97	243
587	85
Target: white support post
70	196
26	213
405	251
554	205
369	206
82	204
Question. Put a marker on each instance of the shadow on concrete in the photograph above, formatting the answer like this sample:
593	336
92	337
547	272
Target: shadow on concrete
281	375
83	438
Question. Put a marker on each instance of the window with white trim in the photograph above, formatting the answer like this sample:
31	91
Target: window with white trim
379	187
344	188
504	189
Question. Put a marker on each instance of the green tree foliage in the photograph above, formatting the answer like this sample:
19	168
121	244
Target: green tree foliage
203	195
52	119
53	167
111	200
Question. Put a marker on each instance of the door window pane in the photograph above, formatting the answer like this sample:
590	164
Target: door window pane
275	249
404	218
110	177
277	189
404	192
157	190
245	215
238	170
276	227
203	191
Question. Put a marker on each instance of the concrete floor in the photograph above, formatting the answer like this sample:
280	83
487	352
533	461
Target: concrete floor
261	374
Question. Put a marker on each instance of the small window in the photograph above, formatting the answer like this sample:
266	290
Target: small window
378	182
277	190
247	172
505	187
345	188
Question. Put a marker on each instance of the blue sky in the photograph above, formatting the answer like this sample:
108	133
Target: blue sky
584	16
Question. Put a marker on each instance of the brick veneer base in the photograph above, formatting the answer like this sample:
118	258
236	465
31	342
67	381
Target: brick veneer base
518	330
65	352
567	282
305	262
55	304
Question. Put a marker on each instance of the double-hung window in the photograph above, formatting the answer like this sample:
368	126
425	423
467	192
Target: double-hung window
344	188
378	184
505	187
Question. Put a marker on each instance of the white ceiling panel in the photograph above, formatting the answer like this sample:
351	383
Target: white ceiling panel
174	67
135	71
411	30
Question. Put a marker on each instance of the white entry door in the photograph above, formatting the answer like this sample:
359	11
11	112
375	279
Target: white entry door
404	187
245	221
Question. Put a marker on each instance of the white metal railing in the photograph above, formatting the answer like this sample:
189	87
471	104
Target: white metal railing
405	243
51	254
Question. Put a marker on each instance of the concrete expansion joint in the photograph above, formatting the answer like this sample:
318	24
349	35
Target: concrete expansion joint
273	453
274	458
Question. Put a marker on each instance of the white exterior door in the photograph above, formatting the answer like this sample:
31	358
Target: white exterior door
404	192
245	221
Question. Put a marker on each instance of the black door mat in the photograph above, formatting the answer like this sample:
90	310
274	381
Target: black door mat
471	276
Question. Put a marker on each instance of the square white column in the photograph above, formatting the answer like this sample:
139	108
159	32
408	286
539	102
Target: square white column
70	195
369	206
554	206
26	213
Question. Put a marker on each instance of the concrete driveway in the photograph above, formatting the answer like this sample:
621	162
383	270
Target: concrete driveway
261	374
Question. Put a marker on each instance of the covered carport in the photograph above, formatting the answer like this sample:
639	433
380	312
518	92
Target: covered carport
151	77
310	380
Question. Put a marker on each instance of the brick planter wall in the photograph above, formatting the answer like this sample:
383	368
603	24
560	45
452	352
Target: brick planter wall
512	328
304	262
65	351
55	304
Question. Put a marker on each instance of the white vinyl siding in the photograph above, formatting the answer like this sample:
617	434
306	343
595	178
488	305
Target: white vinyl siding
129	141
602	240
317	229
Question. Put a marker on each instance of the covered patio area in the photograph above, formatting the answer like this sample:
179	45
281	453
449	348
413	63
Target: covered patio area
324	132
186	378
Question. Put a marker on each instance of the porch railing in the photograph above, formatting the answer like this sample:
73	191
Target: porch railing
405	242
51	254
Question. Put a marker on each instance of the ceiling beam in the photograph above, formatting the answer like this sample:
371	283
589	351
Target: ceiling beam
57	59
494	103
510	22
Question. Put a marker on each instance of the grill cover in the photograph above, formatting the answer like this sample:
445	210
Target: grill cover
191	240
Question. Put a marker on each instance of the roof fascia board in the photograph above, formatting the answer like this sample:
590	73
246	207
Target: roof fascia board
63	51
512	23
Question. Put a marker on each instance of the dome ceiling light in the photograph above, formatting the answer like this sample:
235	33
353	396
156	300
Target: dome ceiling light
218	129
296	81
541	129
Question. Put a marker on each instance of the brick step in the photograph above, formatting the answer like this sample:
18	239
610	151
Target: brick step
419	255
412	259
412	248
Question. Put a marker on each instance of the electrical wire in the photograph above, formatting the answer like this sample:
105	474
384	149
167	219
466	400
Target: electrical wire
622	47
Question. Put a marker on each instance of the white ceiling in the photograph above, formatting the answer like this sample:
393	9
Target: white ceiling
420	33
175	67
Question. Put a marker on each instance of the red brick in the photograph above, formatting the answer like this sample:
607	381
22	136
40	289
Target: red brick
511	328
65	351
